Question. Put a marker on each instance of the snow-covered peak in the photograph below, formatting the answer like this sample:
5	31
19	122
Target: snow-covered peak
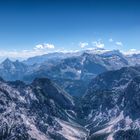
96	50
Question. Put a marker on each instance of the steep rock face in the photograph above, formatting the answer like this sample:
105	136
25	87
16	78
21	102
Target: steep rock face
114	79
132	98
39	111
109	84
111	105
75	88
43	85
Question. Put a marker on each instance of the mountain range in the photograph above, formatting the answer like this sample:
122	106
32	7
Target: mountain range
89	95
69	70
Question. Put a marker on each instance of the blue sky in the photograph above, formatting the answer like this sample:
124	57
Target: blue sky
69	24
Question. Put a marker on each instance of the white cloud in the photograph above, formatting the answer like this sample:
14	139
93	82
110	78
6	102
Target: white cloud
132	51
83	44
110	40
45	46
98	44
120	44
